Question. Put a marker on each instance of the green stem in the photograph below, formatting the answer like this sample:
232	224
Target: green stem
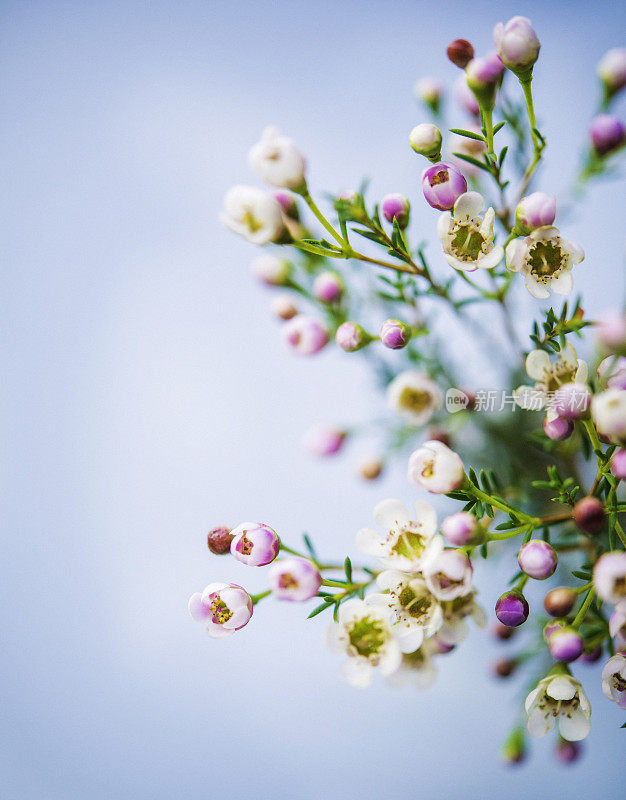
537	146
256	598
584	608
321	218
500	504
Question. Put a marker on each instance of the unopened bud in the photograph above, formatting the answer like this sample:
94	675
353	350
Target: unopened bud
426	140
560	601
219	539
370	468
460	52
589	515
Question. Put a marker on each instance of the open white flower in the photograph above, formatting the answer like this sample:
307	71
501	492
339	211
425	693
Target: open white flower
415	612
467	240
416	669
455	612
409	543
549	376
277	160
614	679
436	468
414	396
253	214
545	260
559	697
449	575
365	635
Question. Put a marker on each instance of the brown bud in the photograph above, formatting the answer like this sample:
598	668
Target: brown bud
560	601
501	631
439	435
283	308
460	52
589	515
370	468
219	539
505	667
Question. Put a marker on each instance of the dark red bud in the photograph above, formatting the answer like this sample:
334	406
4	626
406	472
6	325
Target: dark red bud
460	52
219	539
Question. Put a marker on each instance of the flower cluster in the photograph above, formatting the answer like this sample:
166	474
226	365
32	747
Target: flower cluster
546	491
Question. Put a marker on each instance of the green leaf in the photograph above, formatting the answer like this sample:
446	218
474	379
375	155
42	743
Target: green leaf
473	161
469	134
317	610
348	569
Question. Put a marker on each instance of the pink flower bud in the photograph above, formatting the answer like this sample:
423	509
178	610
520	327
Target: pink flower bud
558	428
254	544
572	401
566	644
465	96
396	206
534	211
283	307
512	608
612	70
618	465
351	337
460	52
608	133
589	515
395	334
323	440
567	752
305	335
436	468
537	559
460	528
271	270
552	627
426	140
442	185
328	287
223	608
610	330
484	75
294	579
517	44
288	204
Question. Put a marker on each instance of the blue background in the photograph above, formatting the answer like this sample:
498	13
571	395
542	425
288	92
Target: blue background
146	397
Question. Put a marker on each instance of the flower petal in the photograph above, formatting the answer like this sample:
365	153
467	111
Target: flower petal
426	515
514	254
537	290
491	259
390	514
561	688
357	672
539	723
468	205
410	639
574	727
369	542
563	283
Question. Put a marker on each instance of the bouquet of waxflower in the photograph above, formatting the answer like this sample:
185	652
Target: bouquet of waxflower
411	606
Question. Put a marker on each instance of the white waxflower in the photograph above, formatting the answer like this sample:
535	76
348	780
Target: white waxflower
409	543
365	635
253	214
545	260
608	410
436	468
559	697
277	160
416	669
415	612
455	612
614	679
549	376
414	396
467	240
449	575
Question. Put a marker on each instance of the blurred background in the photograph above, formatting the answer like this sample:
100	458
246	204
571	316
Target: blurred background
146	397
